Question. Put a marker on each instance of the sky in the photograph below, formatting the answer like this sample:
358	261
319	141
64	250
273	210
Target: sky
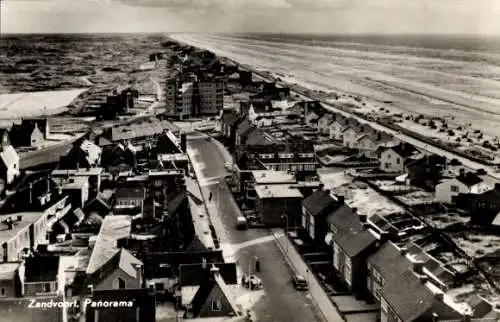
295	16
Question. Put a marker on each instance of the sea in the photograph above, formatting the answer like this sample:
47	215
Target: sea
453	77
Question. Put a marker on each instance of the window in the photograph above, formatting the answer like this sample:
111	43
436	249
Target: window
46	287
398	161
119	283
216	305
454	188
2	292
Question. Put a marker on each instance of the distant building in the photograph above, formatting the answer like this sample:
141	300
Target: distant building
448	189
83	154
393	159
9	159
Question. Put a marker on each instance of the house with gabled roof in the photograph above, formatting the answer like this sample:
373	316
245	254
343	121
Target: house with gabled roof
111	267
242	131
466	182
392	159
83	154
338	126
411	297
315	208
352	242
324	123
213	298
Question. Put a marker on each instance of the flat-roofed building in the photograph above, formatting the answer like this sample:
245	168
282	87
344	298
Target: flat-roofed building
278	204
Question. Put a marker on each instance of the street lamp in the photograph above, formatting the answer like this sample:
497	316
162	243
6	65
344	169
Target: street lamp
285	216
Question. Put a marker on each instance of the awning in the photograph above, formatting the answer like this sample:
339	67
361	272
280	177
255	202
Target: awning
329	238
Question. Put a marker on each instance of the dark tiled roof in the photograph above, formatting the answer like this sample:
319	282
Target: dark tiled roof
408	297
491	196
258	137
404	149
205	290
388	261
319	202
194	274
41	268
350	234
130	192
244	127
469	179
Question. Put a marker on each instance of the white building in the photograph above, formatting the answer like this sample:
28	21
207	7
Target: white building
449	188
392	159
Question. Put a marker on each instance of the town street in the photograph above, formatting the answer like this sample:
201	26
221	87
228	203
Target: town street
281	301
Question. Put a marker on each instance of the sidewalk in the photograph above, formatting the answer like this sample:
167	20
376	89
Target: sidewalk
297	264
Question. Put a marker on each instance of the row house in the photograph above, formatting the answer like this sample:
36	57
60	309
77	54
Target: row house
338	126
298	158
351	242
369	143
26	230
267	113
351	134
313	112
315	209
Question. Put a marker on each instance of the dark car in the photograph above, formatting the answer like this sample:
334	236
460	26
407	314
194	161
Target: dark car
300	283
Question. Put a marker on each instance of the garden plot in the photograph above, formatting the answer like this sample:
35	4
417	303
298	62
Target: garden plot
477	244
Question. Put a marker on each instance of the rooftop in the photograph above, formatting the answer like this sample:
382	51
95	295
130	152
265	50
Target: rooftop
143	129
8	270
113	229
41	269
7	232
270	176
72	183
277	191
130	192
77	172
318	202
172	157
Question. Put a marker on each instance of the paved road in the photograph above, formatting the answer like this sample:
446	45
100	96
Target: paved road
281	301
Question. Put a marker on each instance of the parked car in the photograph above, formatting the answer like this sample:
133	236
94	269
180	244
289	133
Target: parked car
252	282
241	223
300	283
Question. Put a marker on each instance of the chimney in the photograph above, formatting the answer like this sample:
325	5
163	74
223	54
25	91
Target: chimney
19	218
340	199
467	317
9	223
362	219
30	191
354	210
462	171
424	279
435	317
403	251
214	269
183	142
321	186
418	267
384	236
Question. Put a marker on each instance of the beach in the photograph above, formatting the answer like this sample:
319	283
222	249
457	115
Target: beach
462	86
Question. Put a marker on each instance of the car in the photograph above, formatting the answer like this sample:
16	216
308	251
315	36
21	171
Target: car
252	282
300	283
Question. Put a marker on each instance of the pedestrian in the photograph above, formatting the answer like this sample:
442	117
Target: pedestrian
257	266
